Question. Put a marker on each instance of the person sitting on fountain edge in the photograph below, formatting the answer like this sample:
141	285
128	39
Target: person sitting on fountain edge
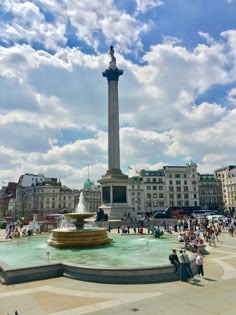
174	260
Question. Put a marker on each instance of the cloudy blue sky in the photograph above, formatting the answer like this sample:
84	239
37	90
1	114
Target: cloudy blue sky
177	94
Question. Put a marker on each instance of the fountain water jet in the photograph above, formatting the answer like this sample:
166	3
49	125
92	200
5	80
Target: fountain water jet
79	236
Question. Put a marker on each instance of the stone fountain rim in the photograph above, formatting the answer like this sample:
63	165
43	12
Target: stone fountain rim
79	216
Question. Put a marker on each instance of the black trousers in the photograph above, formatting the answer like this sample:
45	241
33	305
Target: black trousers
200	270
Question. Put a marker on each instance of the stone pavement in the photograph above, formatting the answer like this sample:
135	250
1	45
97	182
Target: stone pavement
212	295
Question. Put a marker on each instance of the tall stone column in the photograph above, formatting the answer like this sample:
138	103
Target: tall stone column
112	76
114	183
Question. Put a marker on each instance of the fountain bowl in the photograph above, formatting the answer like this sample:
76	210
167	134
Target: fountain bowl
79	216
79	236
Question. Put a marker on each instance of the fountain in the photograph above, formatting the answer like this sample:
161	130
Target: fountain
79	234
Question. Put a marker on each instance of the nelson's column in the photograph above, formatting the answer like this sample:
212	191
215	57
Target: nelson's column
114	183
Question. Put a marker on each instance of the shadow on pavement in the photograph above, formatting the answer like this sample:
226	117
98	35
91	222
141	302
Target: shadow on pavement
196	282
210	279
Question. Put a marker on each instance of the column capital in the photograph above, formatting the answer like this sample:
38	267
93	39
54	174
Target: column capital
112	74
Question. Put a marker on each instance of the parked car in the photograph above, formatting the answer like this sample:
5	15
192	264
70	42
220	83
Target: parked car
161	214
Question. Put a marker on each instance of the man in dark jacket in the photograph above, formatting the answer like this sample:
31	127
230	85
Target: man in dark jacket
174	260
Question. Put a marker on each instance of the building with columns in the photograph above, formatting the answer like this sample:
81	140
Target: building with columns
48	196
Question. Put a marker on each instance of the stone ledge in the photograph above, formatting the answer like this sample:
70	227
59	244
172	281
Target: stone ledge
145	275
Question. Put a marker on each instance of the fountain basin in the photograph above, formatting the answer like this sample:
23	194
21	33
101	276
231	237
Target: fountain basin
129	259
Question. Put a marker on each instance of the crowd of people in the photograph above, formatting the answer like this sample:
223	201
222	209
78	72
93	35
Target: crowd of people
194	234
182	264
14	230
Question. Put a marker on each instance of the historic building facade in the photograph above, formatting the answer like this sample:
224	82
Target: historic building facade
227	177
136	197
169	187
154	186
7	199
45	196
182	185
210	192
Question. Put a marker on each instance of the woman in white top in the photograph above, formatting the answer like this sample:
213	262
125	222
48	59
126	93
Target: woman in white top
199	263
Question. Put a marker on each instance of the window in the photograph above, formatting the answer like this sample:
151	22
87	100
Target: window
194	182
178	188
148	187
154	195
160	187
185	182
171	182
170	175
154	187
149	196
178	196
171	188
185	188
148	180
195	196
154	180
177	175
171	196
185	196
185	175
160	180
178	182
161	195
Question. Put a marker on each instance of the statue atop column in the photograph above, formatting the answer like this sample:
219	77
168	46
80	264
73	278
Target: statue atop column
112	63
112	73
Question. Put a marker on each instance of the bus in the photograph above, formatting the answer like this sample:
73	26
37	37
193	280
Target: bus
203	213
179	213
53	217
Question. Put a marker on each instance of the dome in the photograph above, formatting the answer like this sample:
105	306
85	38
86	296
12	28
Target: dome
88	183
191	163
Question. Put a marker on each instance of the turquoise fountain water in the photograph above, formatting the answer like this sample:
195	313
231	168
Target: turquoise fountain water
125	251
